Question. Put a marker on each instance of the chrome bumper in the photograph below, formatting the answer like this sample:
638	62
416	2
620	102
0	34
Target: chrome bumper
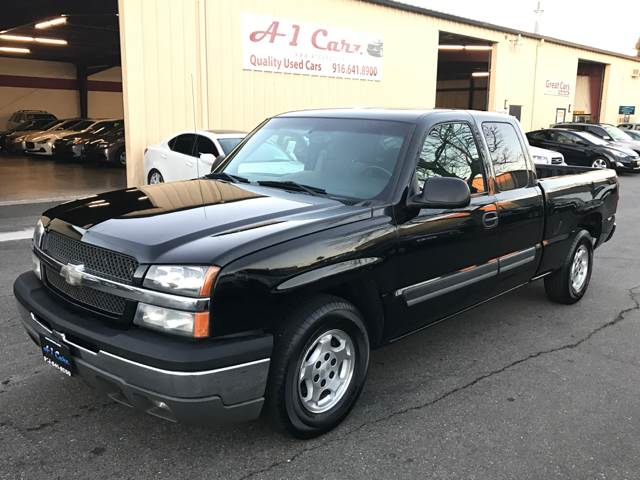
231	393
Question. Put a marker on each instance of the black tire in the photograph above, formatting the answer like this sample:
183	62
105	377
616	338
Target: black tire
298	333
121	157
559	285
151	174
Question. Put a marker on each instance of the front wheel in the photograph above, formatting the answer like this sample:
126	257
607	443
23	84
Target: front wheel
122	157
601	163
319	366
569	284
155	177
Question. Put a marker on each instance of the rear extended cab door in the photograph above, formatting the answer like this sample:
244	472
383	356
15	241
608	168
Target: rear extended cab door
446	258
520	202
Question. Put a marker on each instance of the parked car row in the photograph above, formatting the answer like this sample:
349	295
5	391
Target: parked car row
596	145
68	139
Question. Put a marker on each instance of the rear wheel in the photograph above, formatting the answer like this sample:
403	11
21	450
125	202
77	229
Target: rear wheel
155	177
122	157
319	366
569	284
601	162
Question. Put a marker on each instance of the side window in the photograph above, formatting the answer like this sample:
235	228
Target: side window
508	158
562	137
205	145
183	144
450	150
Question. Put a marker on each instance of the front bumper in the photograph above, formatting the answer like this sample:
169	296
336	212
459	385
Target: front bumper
229	389
39	148
633	166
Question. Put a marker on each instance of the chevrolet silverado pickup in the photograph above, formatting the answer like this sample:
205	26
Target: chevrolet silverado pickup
261	287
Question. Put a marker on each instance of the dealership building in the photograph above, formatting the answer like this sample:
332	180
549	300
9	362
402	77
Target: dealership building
229	64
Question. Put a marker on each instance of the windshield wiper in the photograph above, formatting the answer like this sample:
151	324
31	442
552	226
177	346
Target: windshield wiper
227	176
290	185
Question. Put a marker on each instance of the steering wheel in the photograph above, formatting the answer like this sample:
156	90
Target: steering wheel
377	168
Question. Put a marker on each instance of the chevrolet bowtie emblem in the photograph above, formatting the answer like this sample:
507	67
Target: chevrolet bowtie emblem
72	274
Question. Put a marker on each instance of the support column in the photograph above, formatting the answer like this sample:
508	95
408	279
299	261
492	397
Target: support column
81	78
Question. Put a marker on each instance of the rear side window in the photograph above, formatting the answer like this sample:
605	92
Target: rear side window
184	144
507	156
450	150
205	145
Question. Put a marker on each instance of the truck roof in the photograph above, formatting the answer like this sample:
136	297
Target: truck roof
397	114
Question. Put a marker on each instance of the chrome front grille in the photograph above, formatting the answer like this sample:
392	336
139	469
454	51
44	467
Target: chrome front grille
96	260
88	297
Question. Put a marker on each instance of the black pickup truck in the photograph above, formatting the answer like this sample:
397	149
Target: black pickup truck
262	286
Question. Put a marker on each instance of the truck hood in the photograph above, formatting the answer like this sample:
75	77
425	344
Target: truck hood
197	221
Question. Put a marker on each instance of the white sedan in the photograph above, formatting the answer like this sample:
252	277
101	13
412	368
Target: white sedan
187	154
543	156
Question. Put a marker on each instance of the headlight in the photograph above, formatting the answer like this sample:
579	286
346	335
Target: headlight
38	233
192	281
539	159
189	324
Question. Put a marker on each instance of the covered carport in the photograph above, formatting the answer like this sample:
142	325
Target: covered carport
61	57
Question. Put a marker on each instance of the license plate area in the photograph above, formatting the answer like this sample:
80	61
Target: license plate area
57	354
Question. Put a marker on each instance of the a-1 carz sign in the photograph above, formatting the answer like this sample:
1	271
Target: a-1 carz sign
273	44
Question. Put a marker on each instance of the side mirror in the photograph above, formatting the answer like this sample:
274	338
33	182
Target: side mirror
207	158
443	192
217	161
607	138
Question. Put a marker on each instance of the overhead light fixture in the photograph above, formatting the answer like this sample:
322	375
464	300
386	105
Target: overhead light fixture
51	23
17	38
14	50
465	47
478	47
51	41
480	74
23	38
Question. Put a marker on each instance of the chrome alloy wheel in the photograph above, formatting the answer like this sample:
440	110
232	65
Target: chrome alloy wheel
122	158
579	268
326	371
155	178
599	163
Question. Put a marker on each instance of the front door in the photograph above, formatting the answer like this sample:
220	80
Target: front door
447	257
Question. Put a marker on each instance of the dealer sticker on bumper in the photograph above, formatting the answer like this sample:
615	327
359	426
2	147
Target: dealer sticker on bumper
57	354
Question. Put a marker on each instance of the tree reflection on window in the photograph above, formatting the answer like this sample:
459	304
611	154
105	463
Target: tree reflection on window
450	151
507	156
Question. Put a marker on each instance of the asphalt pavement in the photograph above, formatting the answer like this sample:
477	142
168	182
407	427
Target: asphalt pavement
519	388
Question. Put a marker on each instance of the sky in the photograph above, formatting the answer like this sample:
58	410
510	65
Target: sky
609	25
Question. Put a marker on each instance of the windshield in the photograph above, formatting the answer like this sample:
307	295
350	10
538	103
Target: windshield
616	133
592	139
81	125
229	144
102	127
353	158
65	125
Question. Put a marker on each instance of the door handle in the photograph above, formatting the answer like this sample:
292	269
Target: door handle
490	219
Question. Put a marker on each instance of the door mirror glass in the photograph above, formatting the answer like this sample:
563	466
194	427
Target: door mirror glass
444	192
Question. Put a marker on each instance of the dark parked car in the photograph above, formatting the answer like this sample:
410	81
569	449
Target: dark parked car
606	132
72	146
629	126
581	148
635	134
258	287
7	143
107	148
